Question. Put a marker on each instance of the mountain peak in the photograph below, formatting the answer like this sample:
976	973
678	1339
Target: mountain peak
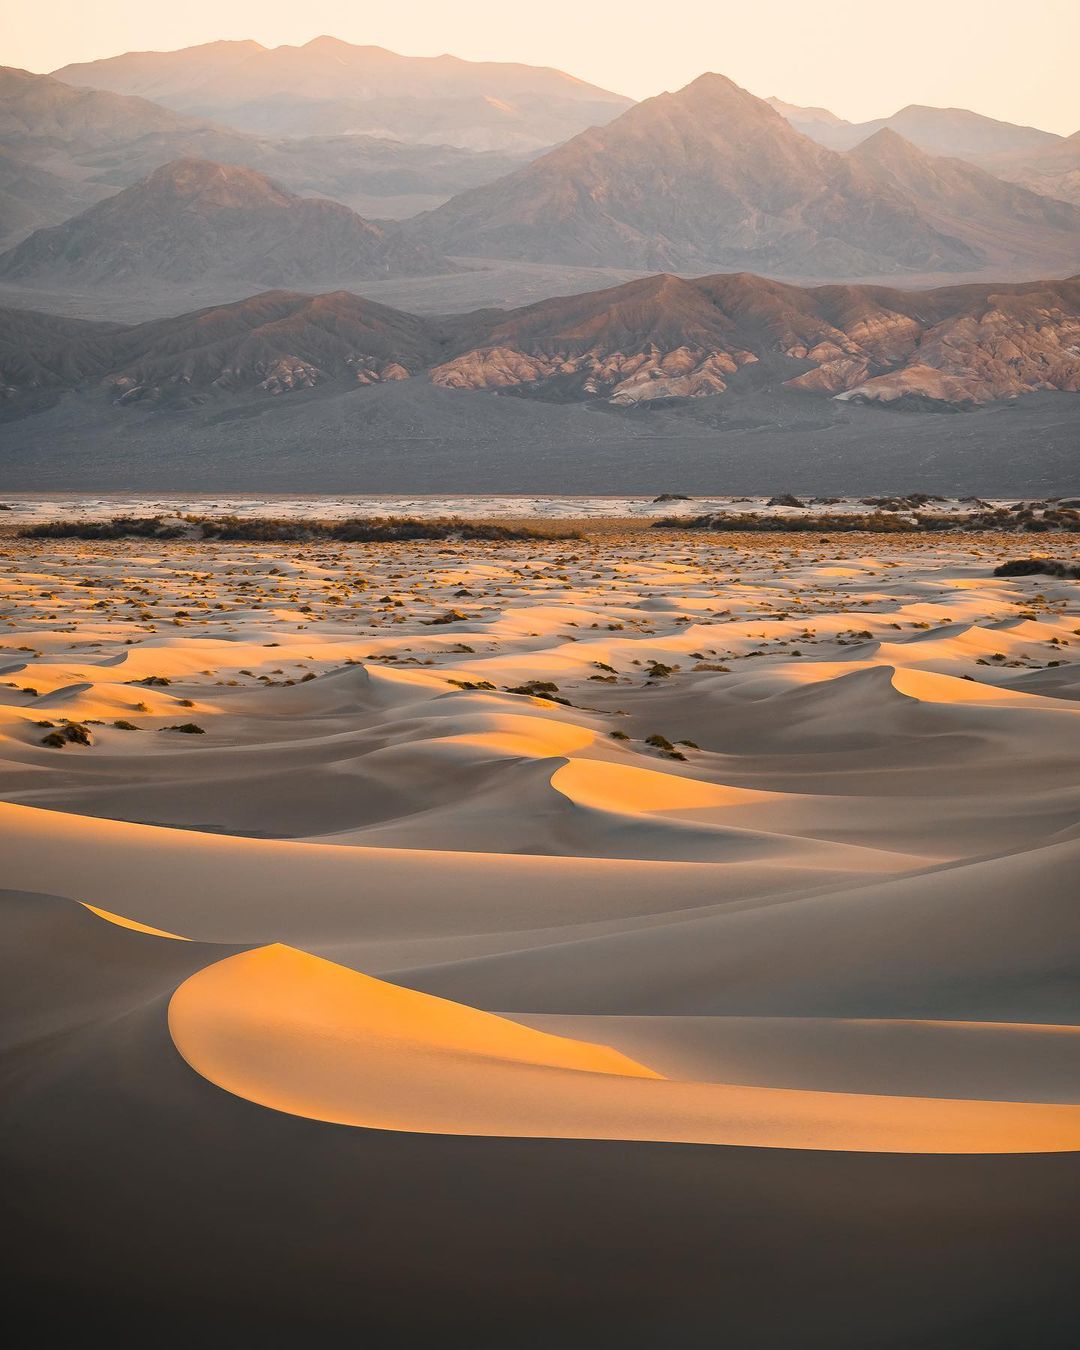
887	143
717	89
713	176
210	184
193	218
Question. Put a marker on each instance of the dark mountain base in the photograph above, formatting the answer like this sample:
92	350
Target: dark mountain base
414	437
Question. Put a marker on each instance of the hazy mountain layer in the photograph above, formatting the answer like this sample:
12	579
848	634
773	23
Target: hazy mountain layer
193	219
939	131
330	86
90	143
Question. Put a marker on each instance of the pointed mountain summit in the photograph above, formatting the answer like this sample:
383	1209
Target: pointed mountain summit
192	219
713	177
708	176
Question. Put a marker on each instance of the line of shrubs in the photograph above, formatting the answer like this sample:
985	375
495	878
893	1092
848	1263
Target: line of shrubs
1006	520
256	529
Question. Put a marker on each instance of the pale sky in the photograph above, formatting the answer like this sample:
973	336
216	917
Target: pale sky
1012	59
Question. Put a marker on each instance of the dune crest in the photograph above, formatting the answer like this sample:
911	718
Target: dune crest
302	1035
133	924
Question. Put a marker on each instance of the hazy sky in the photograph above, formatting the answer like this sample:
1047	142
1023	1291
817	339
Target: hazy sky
1013	59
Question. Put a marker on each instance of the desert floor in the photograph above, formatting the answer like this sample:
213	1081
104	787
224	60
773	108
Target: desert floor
645	939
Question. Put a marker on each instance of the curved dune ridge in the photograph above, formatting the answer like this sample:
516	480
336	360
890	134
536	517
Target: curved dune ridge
122	922
625	787
634	837
305	1036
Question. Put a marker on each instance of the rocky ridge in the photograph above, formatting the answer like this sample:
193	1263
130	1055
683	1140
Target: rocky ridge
647	343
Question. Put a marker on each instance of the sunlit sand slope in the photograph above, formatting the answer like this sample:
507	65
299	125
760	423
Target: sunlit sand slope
302	1035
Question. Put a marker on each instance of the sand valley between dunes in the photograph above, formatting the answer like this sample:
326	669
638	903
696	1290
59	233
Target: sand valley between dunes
760	842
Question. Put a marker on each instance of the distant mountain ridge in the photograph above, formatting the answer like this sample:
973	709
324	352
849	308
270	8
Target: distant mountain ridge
1053	169
328	86
712	176
955	132
71	146
648	343
193	219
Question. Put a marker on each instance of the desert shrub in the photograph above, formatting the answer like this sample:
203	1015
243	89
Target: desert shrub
539	689
71	733
1030	567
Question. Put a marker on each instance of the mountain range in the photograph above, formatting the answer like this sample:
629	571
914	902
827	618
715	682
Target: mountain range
192	220
939	131
65	148
649	343
706	178
1036	159
300	240
712	176
328	86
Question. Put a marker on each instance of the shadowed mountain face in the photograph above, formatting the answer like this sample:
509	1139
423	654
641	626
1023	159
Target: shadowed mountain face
712	175
193	219
37	113
88	143
649	343
1003	221
328	86
31	197
275	342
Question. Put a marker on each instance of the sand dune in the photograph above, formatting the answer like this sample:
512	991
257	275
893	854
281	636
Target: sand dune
305	1036
105	1130
611	844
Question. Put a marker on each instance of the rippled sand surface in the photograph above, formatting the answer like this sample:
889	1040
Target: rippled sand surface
764	845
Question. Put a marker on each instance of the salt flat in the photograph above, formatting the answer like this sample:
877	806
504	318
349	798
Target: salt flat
765	844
